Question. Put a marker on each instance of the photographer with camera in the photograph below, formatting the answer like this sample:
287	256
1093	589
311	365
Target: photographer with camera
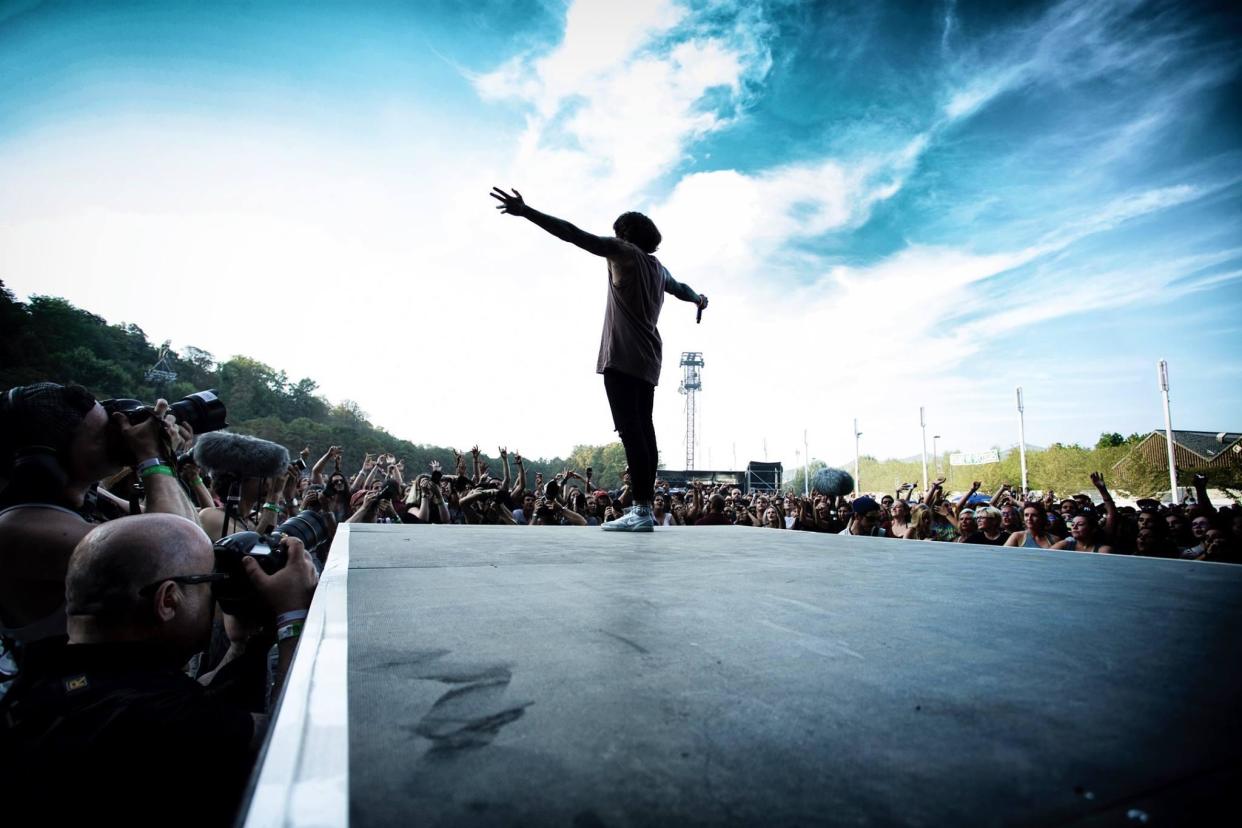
425	501
251	478
56	443
551	511
113	715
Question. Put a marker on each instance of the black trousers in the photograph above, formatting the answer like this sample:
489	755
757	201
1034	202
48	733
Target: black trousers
631	401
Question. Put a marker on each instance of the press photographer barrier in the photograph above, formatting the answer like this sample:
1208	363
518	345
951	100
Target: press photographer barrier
728	675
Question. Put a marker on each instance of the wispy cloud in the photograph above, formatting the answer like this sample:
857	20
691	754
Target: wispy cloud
628	88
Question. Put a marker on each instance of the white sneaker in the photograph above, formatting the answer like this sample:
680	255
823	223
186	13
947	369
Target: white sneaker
637	519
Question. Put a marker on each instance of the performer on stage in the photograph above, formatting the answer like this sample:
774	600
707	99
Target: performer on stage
630	349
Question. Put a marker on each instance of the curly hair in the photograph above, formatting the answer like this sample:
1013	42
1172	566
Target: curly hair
638	230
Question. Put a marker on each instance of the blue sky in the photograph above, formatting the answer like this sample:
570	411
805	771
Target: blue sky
890	205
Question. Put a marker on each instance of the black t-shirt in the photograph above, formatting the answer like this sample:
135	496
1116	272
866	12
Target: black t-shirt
118	732
979	537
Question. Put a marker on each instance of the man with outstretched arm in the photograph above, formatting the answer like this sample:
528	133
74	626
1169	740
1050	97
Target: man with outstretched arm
630	349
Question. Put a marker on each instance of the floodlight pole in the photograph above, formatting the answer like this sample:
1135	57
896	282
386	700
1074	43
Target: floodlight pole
806	466
1162	373
857	482
923	425
936	451
1022	438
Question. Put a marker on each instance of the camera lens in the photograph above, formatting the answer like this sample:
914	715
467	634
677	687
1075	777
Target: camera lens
203	411
308	526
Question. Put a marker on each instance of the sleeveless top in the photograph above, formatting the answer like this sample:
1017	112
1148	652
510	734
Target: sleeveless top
630	342
1030	542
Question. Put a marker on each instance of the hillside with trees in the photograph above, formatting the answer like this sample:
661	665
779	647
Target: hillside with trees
48	338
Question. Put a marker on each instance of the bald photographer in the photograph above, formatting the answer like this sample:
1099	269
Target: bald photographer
112	716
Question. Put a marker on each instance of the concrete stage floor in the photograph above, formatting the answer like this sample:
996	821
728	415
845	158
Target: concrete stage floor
563	676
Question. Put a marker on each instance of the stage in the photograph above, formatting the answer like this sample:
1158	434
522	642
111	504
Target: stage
456	675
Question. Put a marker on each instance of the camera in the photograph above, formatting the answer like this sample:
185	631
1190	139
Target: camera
390	491
203	411
236	595
299	464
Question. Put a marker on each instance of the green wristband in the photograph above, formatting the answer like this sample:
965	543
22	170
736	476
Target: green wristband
150	470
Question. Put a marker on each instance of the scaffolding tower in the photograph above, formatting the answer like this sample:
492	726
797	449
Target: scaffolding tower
161	373
691	382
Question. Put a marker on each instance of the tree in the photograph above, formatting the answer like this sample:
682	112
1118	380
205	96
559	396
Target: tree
1110	439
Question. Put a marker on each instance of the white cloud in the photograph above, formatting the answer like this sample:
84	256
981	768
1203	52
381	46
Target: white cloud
619	99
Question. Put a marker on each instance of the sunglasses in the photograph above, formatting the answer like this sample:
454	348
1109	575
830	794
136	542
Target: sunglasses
210	578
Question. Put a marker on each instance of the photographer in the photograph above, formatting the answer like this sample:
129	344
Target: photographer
112	715
56	443
252	479
550	511
425	501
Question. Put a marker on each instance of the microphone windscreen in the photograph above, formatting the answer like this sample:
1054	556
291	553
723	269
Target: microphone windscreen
239	455
832	482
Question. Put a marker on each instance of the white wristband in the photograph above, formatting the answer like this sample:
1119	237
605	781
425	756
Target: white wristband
292	615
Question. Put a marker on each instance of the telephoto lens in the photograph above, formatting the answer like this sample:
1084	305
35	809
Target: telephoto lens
203	411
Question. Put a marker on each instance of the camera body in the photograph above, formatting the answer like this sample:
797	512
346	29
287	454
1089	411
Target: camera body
390	491
237	595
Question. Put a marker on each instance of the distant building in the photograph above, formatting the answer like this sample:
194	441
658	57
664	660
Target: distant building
1192	450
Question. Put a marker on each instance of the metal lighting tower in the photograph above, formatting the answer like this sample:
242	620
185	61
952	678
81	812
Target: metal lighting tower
936	452
1022	438
691	382
806	466
923	425
1162	371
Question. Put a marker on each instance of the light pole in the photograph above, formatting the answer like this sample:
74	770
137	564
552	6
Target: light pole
806	466
1022	438
923	425
857	434
936	452
1162	372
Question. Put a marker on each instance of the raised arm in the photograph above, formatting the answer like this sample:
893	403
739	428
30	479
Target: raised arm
961	504
606	246
1000	494
317	469
504	460
1110	508
1201	493
520	488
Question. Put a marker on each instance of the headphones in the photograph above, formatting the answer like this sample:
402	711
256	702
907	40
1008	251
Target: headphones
36	468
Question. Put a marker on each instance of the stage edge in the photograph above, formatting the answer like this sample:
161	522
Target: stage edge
303	773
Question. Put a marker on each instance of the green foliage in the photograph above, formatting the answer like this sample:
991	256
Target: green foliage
51	339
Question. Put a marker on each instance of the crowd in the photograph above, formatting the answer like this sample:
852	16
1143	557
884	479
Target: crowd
154	581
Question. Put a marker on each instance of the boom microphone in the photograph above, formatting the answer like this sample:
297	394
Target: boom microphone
832	482
238	455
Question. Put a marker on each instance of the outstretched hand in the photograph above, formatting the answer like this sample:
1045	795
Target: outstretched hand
511	204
